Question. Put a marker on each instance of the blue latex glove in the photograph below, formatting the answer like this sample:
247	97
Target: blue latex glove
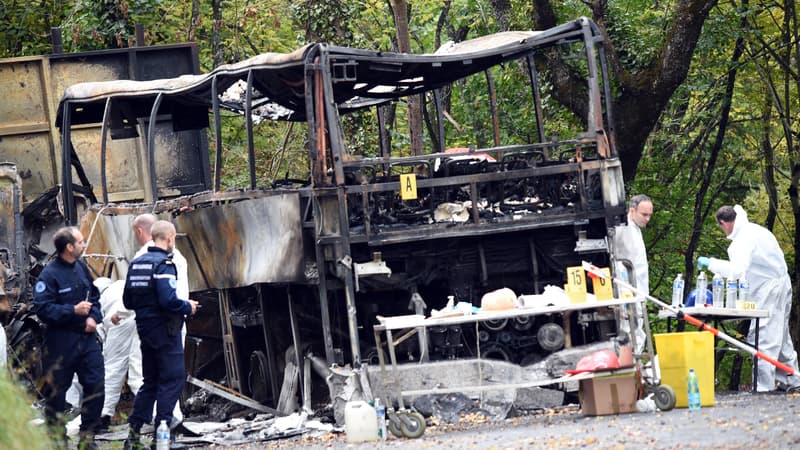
703	262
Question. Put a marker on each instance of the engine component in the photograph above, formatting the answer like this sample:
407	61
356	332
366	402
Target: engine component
551	337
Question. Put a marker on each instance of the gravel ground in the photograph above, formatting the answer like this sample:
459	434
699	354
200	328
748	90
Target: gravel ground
737	420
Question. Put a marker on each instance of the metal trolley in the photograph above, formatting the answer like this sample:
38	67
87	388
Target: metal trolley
406	422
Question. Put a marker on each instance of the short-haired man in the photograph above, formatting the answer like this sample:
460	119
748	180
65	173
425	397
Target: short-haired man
150	290
628	244
66	300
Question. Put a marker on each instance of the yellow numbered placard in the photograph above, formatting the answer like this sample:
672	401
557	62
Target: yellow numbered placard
602	286
576	284
745	305
408	186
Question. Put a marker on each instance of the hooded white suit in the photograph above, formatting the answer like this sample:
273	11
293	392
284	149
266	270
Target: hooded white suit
629	244
754	252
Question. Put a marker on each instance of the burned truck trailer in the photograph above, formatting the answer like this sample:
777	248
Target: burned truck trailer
505	188
30	165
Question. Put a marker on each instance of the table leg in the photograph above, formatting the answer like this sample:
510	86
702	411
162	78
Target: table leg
393	359
755	360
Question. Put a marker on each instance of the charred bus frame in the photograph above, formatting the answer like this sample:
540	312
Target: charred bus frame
549	202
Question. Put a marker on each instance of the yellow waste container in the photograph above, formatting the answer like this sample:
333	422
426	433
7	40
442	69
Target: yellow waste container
679	352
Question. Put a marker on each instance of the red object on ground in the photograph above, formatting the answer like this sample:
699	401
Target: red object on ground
599	360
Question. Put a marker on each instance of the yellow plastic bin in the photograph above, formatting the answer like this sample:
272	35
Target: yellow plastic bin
679	352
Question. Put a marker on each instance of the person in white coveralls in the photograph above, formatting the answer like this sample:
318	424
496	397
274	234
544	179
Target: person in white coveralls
755	254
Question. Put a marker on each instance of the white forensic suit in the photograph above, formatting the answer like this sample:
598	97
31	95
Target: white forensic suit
628	244
754	252
3	347
120	341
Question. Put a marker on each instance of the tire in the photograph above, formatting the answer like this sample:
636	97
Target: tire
664	396
394	426
413	425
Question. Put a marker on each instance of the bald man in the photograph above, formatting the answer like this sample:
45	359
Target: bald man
127	358
151	291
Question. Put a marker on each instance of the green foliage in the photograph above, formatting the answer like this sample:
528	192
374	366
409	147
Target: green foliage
93	25
25	26
324	21
637	32
16	430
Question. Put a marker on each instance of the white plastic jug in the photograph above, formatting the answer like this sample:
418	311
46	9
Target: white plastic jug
360	422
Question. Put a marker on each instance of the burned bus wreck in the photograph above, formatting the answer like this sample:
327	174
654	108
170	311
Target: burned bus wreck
300	269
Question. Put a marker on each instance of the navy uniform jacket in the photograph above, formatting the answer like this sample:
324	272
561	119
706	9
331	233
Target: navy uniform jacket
150	290
60	287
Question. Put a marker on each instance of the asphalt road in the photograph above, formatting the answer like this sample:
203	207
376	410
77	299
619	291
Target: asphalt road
737	420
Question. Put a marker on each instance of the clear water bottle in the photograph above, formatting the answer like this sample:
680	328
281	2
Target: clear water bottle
624	292
702	286
731	284
693	390
162	436
744	292
717	288
380	411
677	291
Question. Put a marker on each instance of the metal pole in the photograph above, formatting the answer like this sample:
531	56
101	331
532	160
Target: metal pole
595	271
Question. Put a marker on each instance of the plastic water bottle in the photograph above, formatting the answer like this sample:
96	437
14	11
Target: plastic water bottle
162	436
702	285
677	291
730	292
693	390
744	292
380	410
624	292
717	287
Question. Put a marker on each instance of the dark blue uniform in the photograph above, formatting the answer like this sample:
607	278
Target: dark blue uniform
68	348
150	291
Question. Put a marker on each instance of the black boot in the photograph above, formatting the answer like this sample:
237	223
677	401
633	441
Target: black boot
86	441
105	424
133	441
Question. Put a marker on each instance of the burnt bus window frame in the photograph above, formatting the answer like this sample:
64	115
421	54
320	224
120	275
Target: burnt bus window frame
318	83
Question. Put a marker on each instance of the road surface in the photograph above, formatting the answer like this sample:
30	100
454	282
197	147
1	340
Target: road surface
738	420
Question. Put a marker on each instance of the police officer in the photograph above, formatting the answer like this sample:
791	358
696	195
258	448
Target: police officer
150	292
69	304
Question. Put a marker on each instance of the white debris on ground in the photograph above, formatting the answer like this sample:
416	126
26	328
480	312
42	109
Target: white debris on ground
263	427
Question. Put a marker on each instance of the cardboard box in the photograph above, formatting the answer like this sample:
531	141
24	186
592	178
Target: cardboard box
613	394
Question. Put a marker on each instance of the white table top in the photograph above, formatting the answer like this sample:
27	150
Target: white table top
413	321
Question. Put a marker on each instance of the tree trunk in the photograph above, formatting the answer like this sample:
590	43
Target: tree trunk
400	12
501	10
769	163
440	24
642	94
702	208
194	19
790	21
216	48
